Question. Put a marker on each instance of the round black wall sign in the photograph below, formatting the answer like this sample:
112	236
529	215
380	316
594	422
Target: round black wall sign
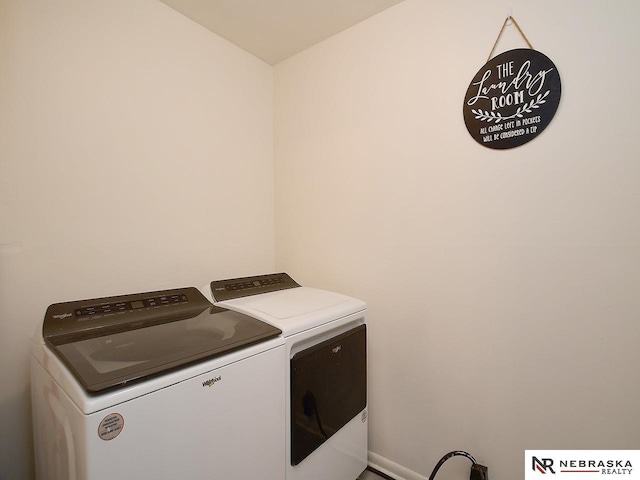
512	98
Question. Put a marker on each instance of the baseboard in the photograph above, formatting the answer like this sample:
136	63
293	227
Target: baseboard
393	469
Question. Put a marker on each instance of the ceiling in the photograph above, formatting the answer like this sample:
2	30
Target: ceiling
274	30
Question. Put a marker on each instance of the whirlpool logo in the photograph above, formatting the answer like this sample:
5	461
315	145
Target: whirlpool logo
211	381
62	316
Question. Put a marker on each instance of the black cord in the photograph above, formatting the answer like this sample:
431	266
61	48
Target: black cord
455	453
379	473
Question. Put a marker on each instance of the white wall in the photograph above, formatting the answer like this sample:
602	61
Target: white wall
135	154
502	285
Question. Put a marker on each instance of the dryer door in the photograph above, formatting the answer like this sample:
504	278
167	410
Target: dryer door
328	389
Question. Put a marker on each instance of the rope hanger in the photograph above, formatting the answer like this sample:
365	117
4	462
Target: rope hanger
502	30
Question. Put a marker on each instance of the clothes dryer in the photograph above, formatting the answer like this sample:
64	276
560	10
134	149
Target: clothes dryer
326	370
158	385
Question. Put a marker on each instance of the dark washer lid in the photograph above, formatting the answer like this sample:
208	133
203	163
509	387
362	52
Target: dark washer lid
109	342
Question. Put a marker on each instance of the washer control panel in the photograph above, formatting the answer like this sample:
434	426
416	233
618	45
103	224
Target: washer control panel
243	287
69	321
123	306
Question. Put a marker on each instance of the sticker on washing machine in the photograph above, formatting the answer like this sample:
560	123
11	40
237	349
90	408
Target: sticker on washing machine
111	426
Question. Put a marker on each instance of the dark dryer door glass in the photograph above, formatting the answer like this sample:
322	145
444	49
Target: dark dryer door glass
328	389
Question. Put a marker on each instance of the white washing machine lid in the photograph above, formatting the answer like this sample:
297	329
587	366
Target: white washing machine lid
296	309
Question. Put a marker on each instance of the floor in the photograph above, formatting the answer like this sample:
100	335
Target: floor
368	475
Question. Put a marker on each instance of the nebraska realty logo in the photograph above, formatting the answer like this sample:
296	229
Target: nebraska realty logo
581	464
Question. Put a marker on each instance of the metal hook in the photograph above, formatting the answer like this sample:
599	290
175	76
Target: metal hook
509	15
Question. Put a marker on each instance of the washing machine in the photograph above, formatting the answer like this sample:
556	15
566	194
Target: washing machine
326	370
159	385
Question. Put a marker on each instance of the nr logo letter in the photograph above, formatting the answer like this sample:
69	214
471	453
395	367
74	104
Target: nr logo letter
542	465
